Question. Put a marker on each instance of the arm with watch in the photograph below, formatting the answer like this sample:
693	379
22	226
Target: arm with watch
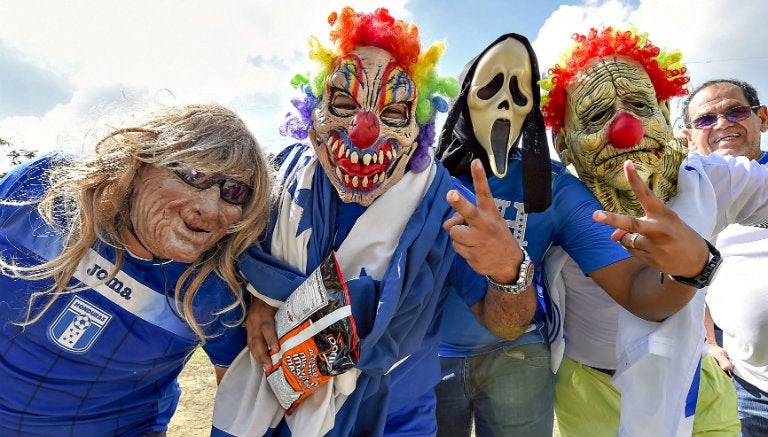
653	295
509	304
482	237
666	244
670	261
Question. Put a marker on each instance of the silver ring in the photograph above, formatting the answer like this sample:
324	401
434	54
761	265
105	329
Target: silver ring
632	241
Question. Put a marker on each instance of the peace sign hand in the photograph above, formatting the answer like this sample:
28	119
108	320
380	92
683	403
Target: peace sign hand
661	239
480	234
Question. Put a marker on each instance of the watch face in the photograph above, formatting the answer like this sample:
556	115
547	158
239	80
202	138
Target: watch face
529	271
524	278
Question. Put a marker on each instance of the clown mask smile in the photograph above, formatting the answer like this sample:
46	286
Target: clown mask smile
365	127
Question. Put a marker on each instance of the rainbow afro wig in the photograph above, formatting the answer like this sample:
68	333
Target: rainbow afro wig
665	69
350	30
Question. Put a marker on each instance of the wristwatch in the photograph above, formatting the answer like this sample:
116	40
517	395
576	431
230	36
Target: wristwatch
524	278
705	277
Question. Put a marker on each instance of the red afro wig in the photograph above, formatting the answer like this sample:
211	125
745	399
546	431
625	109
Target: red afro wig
351	30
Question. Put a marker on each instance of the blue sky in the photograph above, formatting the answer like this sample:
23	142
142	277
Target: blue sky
68	70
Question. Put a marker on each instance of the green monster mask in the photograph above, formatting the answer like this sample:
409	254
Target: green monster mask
612	112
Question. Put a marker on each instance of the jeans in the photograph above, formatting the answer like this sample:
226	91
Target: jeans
753	409
507	392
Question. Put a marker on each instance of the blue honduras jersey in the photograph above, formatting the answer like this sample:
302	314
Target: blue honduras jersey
103	361
567	223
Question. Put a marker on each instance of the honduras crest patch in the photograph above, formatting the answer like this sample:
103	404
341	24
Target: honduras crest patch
78	325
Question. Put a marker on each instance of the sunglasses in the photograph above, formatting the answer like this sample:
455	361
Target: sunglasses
231	191
733	115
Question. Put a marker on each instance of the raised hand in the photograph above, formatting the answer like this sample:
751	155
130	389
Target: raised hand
660	238
480	234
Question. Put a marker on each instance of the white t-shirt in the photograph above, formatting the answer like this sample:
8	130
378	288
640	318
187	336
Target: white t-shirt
591	320
713	191
651	357
738	301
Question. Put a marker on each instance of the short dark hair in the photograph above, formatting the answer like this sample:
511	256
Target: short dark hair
749	92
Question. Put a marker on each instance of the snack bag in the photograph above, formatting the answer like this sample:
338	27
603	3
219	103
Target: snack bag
317	336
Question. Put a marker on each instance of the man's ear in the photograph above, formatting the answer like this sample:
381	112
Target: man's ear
562	148
687	133
762	112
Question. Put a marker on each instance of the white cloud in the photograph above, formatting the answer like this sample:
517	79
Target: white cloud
242	53
239	53
555	35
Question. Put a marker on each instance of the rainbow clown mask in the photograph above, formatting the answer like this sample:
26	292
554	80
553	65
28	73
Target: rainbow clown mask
364	127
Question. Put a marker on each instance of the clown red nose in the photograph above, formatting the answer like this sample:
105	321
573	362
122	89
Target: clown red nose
364	130
626	131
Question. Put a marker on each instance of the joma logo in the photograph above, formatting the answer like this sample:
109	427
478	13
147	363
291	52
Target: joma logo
114	284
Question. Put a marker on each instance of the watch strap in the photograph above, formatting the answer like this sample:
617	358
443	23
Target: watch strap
524	278
704	278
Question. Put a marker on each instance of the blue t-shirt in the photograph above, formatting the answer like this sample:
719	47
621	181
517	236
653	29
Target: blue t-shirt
567	223
102	361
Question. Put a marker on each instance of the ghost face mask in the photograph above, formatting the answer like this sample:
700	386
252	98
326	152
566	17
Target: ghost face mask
364	128
499	99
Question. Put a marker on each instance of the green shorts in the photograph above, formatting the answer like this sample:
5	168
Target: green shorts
587	405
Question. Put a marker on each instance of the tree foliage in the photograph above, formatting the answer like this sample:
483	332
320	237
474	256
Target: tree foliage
17	155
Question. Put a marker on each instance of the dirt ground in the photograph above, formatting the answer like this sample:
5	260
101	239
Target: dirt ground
198	388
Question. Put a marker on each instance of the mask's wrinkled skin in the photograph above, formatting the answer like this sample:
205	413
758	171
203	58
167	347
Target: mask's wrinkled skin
499	99
174	220
606	88
364	128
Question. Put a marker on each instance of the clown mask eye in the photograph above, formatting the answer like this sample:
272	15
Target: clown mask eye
640	106
342	104
396	115
599	118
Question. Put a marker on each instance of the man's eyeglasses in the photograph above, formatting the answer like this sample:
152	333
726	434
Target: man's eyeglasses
230	190
733	115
